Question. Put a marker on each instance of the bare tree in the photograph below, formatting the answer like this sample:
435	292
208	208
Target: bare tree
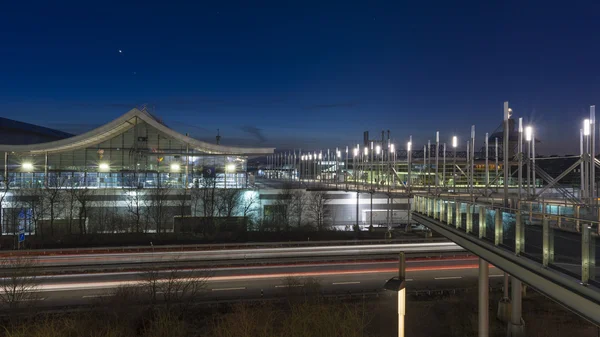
18	282
227	202
135	208
298	207
317	209
54	199
83	197
281	209
157	201
248	204
174	287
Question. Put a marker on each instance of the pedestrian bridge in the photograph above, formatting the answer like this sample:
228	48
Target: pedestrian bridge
552	253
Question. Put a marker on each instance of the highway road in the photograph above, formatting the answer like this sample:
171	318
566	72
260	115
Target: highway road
235	283
130	258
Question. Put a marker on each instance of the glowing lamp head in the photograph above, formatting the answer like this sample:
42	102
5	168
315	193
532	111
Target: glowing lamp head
454	142
528	133
103	167
230	167
409	146
27	166
320	156
310	156
339	154
586	127
366	151
378	149
392	148
175	167
355	152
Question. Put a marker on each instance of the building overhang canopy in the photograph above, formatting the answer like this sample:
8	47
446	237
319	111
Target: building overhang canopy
122	124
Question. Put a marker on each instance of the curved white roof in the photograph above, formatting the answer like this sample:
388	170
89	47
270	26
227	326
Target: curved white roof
122	124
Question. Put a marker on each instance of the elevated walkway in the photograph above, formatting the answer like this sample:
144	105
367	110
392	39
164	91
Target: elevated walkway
528	245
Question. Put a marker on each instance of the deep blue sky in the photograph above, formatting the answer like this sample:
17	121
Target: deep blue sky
304	74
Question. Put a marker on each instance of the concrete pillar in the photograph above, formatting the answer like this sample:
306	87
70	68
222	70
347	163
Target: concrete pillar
516	327
484	286
504	306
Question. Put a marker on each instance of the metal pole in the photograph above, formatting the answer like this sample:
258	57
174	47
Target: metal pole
533	163
371	215
357	206
401	295
593	154
468	168
437	155
520	156
497	167
582	166
428	165
483	287
409	155
444	167
487	163
454	169
505	142
472	164
529	169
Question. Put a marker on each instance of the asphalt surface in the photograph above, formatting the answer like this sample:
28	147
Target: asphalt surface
238	283
241	254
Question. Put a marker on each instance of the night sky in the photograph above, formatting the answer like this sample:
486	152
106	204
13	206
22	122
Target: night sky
298	74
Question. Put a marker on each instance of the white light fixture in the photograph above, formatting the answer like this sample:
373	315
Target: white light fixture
230	167
339	154
310	156
378	149
454	141
355	151
320	156
409	146
27	166
175	167
586	127
392	148
366	151
529	133
103	167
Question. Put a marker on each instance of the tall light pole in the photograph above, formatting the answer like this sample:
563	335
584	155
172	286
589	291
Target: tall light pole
408	158
437	156
398	284
528	138
454	145
505	142
520	150
587	160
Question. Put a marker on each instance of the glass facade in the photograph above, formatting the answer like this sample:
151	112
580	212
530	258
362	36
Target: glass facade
139	157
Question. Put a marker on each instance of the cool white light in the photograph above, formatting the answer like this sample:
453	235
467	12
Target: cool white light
409	146
586	127
529	133
103	167
230	167
454	141
27	166
175	167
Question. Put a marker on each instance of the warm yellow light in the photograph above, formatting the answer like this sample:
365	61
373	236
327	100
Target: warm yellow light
27	166
175	167
230	167
104	167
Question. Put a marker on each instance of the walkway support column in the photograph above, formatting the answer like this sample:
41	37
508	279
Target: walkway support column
484	280
516	327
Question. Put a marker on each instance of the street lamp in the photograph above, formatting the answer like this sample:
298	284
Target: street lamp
528	138
398	284
408	159
454	145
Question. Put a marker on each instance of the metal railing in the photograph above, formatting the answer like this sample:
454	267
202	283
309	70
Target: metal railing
555	236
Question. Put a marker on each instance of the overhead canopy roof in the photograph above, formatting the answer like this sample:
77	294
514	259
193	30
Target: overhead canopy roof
122	124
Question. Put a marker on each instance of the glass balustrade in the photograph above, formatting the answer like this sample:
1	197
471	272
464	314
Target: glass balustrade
550	234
